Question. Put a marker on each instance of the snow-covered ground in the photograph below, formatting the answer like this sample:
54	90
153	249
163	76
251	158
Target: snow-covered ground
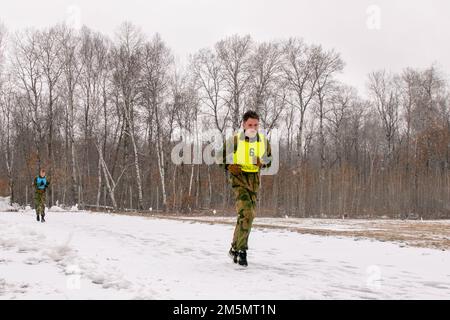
83	255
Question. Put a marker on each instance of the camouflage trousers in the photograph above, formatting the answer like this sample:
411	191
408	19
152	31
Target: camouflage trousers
39	202
245	188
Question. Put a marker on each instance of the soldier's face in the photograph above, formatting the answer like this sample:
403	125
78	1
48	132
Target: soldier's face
251	124
42	173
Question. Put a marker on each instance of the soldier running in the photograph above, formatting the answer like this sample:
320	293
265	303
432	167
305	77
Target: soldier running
41	183
243	157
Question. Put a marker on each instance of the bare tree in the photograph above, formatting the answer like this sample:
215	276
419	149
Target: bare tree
326	65
209	76
299	75
51	63
157	64
29	74
341	125
385	89
94	81
268	91
127	65
71	70
7	100
235	54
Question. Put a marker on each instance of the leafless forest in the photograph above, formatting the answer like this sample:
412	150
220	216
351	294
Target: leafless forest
99	113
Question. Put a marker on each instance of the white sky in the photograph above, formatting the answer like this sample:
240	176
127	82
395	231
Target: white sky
412	32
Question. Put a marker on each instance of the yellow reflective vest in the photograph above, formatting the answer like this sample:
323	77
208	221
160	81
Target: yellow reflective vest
247	152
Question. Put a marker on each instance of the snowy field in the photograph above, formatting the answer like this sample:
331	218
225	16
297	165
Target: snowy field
83	255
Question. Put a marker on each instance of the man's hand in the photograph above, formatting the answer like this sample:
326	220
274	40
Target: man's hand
235	169
258	162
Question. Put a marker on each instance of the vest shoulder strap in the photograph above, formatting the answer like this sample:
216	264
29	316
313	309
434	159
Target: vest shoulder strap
235	142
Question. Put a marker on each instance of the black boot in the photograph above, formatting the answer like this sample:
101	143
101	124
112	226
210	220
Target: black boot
233	255
37	217
242	258
42	219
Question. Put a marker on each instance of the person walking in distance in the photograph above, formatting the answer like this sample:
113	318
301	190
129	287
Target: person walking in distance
41	183
244	155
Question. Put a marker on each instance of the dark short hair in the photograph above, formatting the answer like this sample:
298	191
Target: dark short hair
250	114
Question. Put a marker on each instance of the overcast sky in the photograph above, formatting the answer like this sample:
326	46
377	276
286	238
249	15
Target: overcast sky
408	32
